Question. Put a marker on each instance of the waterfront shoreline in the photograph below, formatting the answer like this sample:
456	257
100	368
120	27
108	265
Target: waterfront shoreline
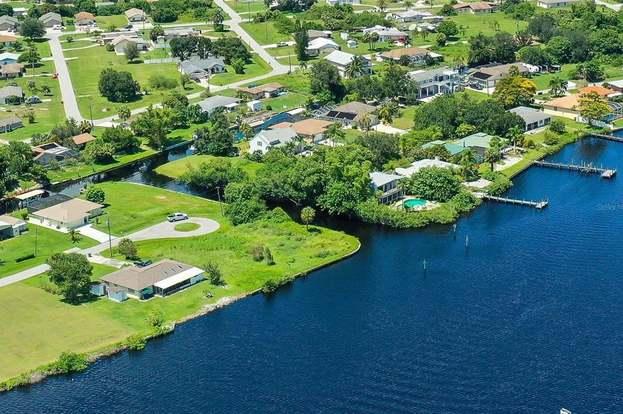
43	372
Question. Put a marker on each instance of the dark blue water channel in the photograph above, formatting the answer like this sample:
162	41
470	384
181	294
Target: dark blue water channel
527	319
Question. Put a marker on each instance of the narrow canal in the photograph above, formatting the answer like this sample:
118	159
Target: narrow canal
526	317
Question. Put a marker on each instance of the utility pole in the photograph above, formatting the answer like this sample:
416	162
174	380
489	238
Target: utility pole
109	237
36	238
218	194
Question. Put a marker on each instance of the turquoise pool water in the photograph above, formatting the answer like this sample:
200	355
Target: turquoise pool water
414	202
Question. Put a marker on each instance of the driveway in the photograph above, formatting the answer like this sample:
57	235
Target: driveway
163	230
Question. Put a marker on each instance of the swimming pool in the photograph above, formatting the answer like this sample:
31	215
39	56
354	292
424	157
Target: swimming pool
414	203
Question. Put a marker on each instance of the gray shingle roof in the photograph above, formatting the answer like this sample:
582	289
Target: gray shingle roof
214	102
277	136
530	115
11	91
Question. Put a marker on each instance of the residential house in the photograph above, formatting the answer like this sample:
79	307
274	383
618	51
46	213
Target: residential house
8	23
199	69
532	118
106	38
435	81
7	40
177	32
81	140
8	94
479	7
215	102
135	15
342	2
321	46
24	200
68	215
311	130
84	19
11	227
602	91
386	186
408	16
416	166
387	34
7	58
121	43
488	76
52	152
268	90
352	113
19	12
452	148
316	34
268	139
162	278
51	19
10	123
416	55
616	85
554	4
341	60
479	143
566	106
12	70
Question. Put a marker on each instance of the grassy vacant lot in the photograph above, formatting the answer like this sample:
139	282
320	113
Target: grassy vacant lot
31	340
177	168
89	63
47	241
265	33
246	6
542	81
117	20
47	114
488	24
405	120
256	68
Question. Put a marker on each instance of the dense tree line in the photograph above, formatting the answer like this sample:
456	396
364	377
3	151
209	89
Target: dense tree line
17	166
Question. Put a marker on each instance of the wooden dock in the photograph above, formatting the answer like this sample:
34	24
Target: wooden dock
527	203
606	136
583	168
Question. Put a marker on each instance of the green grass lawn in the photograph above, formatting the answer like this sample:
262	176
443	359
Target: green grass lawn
47	114
296	81
256	68
175	169
186	227
75	44
487	24
47	243
542	81
405	120
31	340
265	33
117	20
362	48
245	6
96	59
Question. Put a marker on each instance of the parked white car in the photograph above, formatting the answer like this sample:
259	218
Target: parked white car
177	217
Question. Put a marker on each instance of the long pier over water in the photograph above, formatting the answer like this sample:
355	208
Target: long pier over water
583	168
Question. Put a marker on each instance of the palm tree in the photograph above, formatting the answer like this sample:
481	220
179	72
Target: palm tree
335	132
388	111
217	19
515	134
558	86
365	123
355	67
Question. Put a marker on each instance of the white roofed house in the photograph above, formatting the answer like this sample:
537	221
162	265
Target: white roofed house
67	215
553	4
11	227
162	278
387	34
532	118
7	58
121	43
11	94
386	186
199	69
215	102
341	60
435	81
342	2
321	45
268	139
408	16
416	55
425	163
315	34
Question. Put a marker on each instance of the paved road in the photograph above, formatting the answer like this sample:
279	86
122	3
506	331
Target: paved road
26	274
67	91
163	230
615	7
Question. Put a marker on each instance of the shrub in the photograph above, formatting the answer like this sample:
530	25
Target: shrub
136	342
499	185
162	82
155	319
258	253
550	138
214	274
268	257
557	126
127	248
529	143
69	362
26	257
270	286
95	195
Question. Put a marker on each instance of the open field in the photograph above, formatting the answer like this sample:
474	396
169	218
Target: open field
107	22
265	33
175	169
97	58
256	68
488	24
245	6
42	339
46	242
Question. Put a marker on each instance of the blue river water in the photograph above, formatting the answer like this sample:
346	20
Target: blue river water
517	311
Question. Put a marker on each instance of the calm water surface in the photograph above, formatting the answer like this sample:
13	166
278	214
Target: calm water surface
527	319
